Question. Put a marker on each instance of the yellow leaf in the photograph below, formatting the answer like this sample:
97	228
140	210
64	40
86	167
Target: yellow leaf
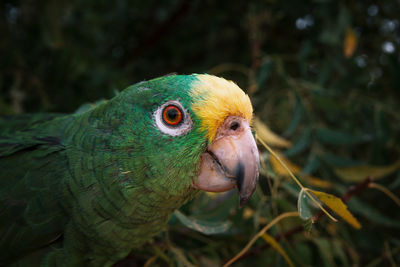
259	234
269	137
275	245
314	181
359	173
211	194
279	169
332	229
247	213
350	43
337	205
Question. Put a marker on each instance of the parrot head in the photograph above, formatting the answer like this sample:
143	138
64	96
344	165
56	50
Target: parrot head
193	132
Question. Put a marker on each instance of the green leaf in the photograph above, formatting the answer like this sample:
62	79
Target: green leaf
311	165
308	226
339	161
303	205
324	73
202	226
325	250
328	103
180	257
333	137
302	253
212	206
301	144
291	188
264	72
339	252
304	53
382	136
298	113
396	182
364	209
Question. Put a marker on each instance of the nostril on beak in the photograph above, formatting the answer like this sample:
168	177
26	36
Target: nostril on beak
235	125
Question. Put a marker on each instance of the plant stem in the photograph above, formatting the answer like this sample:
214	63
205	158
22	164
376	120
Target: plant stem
354	190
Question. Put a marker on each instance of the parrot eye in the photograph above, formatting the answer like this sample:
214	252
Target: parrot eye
172	115
171	118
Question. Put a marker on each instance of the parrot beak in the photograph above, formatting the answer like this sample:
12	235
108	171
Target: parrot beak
230	161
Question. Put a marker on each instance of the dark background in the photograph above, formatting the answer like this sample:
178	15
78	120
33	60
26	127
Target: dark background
323	74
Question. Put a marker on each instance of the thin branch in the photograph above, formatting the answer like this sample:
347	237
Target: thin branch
354	190
259	234
159	33
294	178
386	191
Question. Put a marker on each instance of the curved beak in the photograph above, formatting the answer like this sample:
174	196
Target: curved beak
231	160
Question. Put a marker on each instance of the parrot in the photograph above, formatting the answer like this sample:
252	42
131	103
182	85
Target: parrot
87	188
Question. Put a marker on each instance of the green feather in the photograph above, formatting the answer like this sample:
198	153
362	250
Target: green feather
86	189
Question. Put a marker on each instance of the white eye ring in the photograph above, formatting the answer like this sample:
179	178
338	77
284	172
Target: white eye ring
174	130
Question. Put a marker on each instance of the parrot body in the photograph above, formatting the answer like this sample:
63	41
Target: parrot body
86	189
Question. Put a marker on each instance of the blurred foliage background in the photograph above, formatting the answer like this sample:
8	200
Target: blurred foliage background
323	74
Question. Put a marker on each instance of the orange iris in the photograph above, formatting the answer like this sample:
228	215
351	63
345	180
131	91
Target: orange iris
172	115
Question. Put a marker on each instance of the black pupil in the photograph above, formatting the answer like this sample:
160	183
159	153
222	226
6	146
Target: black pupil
172	114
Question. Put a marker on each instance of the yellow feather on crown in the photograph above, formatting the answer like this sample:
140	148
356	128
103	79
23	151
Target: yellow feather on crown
218	99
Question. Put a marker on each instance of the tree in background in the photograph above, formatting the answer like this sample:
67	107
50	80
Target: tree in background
325	75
